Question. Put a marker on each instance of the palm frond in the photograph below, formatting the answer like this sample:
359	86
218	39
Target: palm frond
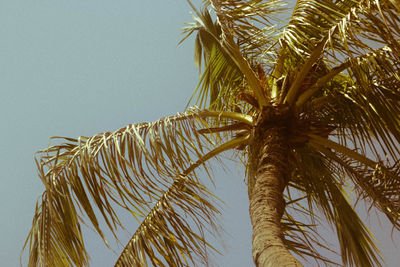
371	24
220	72
180	243
253	24
303	239
298	81
324	189
239	57
377	182
353	29
361	105
329	77
166	236
229	68
366	112
311	21
130	168
378	100
355	20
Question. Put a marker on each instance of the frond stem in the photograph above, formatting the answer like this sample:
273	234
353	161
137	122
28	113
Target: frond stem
276	75
226	146
321	82
228	115
320	141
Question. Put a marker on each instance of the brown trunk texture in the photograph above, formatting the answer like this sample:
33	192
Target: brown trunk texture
266	201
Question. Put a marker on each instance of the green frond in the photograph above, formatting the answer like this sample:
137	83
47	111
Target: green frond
353	29
226	49
235	116
376	182
230	43
311	21
130	168
326	191
319	84
297	83
381	189
356	242
366	110
221	80
375	97
361	104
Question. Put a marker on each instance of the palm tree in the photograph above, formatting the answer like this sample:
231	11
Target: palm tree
311	106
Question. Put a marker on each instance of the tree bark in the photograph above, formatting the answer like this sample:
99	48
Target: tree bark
266	200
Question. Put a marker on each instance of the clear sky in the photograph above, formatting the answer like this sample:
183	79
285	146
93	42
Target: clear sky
73	67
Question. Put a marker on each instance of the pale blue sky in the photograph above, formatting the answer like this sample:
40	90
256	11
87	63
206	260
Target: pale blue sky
73	68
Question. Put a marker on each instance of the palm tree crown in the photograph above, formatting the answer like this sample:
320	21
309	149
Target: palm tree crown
311	104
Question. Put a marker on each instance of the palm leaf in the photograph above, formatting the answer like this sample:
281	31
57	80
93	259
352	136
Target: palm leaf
130	167
253	24
301	238
366	112
377	182
180	242
311	21
352	29
220	71
325	190
229	70
165	237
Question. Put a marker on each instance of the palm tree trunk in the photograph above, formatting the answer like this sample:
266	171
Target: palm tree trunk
266	200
